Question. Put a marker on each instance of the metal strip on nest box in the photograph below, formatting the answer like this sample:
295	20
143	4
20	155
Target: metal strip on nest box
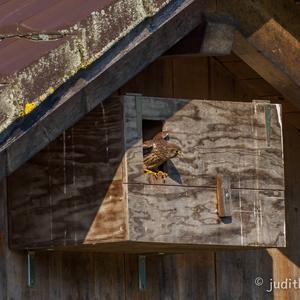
224	196
30	269
268	116
142	272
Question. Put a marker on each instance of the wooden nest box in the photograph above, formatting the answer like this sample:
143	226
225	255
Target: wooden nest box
88	189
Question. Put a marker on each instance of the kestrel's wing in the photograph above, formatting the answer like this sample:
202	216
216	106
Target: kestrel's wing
158	138
147	147
153	160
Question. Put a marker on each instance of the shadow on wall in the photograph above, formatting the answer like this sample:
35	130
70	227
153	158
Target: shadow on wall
244	274
55	197
292	194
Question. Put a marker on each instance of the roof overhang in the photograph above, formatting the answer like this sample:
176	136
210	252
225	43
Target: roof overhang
23	136
261	40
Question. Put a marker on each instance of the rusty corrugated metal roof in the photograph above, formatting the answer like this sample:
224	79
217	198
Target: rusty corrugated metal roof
44	43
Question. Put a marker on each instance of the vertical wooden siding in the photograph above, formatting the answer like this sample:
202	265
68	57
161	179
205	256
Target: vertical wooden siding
205	275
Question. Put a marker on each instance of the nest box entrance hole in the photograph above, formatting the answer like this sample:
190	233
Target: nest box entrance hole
151	128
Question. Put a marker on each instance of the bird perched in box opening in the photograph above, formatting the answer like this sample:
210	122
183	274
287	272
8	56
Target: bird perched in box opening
157	151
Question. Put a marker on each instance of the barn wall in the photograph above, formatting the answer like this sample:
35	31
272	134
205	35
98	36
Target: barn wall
205	275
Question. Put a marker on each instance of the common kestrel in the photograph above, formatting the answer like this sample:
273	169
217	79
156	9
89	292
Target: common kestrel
160	152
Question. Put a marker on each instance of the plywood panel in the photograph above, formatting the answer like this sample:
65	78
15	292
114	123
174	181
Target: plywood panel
208	118
216	138
64	192
247	168
12	264
174	214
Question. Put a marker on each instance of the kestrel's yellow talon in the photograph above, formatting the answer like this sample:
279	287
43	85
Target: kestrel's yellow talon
162	174
147	171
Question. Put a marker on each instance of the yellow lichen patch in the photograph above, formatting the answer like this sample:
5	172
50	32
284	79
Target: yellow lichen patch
32	105
28	108
48	92
84	65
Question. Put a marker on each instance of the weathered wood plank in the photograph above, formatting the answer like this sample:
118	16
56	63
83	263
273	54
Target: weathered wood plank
67	275
211	38
12	264
30	184
237	119
190	79
218	38
3	161
132	126
247	168
77	276
95	218
32	227
40	289
109	273
236	272
175	214
155	81
222	82
110	221
267	68
55	275
185	276
93	147
239	69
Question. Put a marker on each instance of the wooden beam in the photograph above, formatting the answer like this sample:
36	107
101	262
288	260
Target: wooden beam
211	38
110	72
271	72
268	39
